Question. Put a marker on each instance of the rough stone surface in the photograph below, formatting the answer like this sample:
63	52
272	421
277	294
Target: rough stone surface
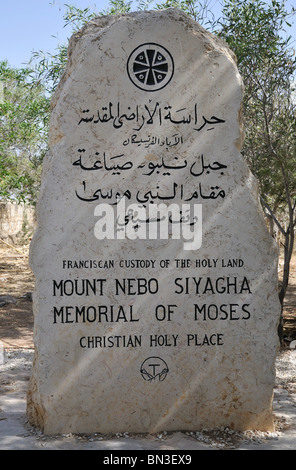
149	108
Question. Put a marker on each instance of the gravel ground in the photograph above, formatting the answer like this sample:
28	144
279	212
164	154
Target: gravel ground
16	434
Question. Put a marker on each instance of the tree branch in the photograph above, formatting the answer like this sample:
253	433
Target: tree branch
264	203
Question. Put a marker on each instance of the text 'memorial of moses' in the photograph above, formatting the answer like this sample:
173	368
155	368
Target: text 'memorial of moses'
156	302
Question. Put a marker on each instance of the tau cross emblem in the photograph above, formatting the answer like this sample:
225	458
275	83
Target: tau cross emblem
154	368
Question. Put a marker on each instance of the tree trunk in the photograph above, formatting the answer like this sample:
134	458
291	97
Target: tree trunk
289	238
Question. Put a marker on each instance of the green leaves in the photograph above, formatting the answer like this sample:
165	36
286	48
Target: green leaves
24	111
254	31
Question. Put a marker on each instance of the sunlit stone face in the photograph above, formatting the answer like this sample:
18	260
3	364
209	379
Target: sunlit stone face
155	304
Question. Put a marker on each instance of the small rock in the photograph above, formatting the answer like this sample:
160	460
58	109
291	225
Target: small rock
7	299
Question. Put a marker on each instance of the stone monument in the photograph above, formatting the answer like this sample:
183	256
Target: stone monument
156	302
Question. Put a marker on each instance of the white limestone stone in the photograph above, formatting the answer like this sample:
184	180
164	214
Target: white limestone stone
150	107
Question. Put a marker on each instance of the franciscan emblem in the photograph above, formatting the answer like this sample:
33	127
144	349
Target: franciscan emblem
154	368
150	67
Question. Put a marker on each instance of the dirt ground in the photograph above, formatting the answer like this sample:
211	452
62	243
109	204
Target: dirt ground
289	313
17	280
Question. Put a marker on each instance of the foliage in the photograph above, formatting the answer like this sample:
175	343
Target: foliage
23	130
198	10
255	31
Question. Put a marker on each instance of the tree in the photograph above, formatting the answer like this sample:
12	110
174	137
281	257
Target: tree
255	30
23	135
